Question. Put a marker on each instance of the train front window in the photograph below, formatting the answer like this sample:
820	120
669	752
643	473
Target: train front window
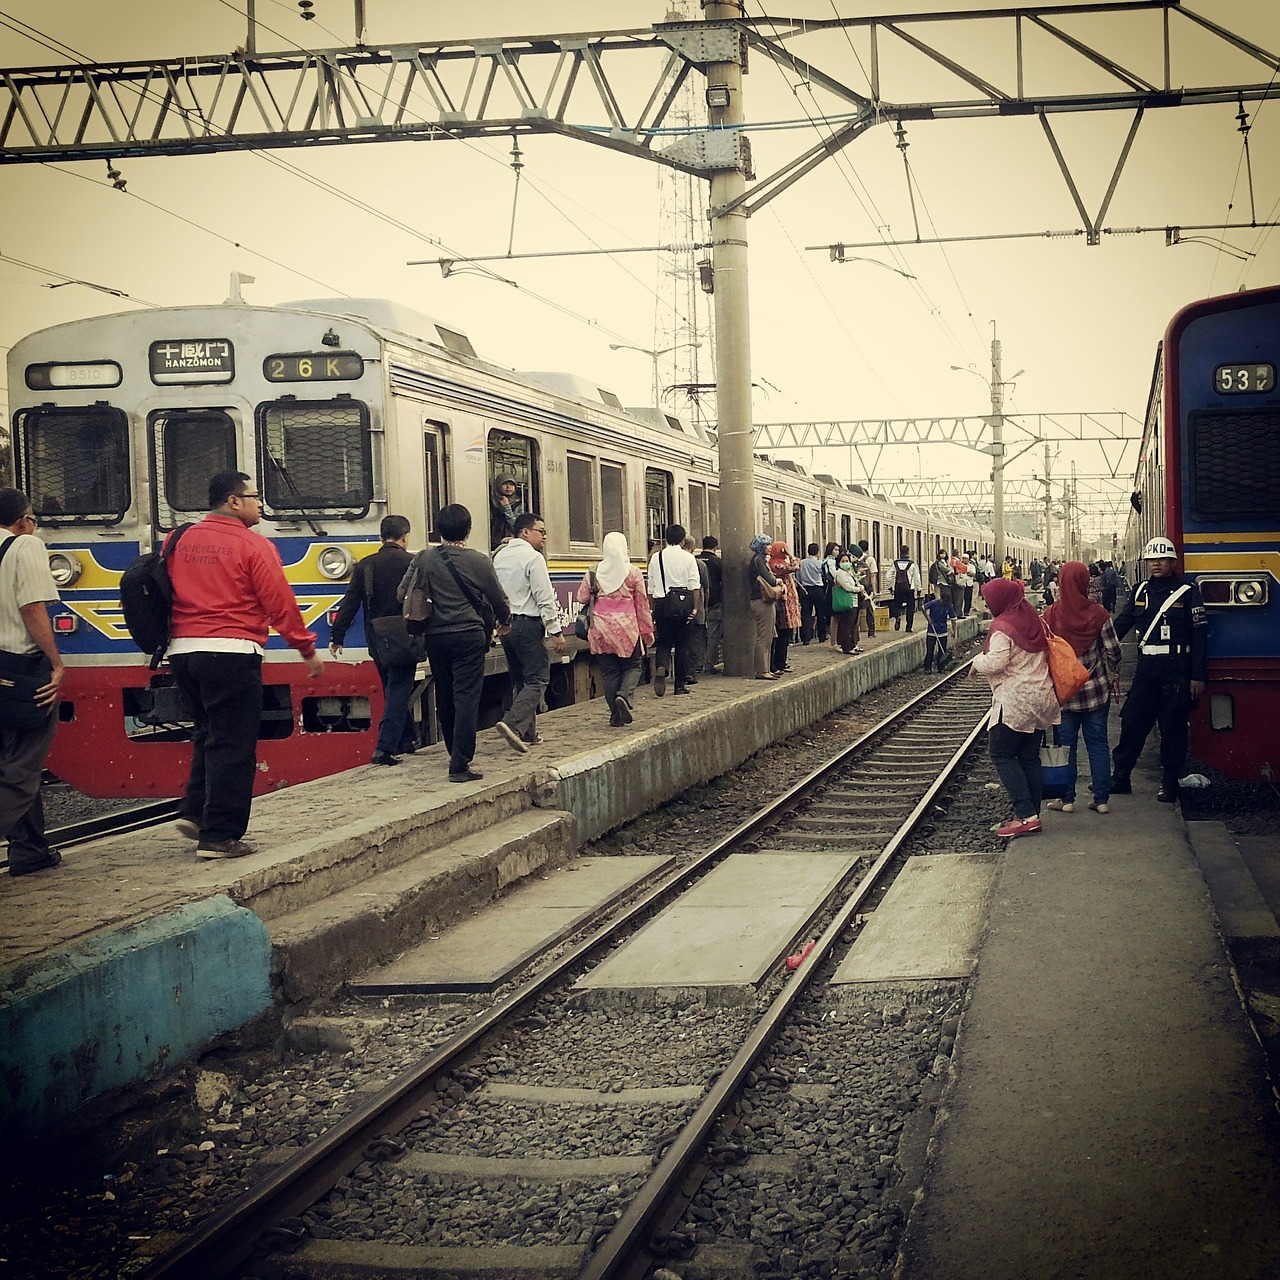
75	463
1235	465
315	455
187	447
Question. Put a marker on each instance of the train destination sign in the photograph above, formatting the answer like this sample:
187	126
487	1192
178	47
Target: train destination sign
1233	379
313	366
183	360
82	373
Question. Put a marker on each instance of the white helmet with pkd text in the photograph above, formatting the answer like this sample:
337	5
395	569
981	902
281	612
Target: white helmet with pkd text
1160	549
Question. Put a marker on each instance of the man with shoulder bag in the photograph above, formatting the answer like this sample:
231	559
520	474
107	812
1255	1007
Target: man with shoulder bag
395	653
31	670
675	588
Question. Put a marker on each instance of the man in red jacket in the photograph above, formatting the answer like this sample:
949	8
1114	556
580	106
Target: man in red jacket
228	585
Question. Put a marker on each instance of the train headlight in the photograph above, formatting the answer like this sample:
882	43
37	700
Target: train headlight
1251	591
335	562
65	567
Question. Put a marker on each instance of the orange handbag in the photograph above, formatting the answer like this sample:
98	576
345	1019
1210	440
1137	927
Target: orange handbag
1070	675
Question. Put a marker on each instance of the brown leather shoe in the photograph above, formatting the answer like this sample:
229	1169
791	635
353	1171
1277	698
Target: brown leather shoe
225	848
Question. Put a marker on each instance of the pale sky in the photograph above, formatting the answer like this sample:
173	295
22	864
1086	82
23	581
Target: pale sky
828	341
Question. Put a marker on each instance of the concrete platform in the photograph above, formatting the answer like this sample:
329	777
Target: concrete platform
146	893
1109	1114
725	933
928	925
486	949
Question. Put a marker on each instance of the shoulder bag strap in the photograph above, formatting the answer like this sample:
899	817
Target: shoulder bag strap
4	551
662	569
462	586
1173	595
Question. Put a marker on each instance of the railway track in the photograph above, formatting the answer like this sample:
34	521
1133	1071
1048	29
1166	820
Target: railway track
865	803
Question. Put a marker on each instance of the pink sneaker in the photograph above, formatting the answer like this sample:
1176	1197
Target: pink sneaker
1019	827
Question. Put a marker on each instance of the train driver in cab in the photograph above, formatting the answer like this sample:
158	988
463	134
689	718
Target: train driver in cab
1167	615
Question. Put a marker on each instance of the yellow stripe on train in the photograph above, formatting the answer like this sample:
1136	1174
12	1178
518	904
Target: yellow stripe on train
1234	562
105	616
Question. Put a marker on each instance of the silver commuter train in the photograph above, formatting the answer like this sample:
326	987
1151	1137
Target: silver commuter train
344	410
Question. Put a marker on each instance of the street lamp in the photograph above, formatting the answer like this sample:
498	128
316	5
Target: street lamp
655	356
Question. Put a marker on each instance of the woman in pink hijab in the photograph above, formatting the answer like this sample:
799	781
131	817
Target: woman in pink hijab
1015	660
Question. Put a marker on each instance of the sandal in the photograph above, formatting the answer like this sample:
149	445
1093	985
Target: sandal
1062	806
1104	807
766	675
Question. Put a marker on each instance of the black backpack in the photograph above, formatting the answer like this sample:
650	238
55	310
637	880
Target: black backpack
146	598
901	579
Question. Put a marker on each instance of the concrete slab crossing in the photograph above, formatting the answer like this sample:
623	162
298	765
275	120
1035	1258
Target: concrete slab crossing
728	931
928	925
487	948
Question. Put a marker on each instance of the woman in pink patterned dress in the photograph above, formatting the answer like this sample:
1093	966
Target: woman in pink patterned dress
1015	661
784	565
621	625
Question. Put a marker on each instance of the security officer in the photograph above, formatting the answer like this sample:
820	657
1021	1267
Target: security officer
1168	617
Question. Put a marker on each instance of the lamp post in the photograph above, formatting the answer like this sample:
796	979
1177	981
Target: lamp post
654	356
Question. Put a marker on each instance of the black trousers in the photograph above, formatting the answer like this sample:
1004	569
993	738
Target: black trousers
904	604
1162	697
932	642
811	620
1016	757
225	694
457	668
22	757
668	635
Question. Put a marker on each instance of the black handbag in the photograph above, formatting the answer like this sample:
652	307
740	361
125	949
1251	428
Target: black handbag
676	603
389	638
582	623
21	674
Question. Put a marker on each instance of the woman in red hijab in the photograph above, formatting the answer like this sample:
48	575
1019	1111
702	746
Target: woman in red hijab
1015	660
1087	628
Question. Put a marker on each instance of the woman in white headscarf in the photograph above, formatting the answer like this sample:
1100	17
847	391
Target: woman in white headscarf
621	625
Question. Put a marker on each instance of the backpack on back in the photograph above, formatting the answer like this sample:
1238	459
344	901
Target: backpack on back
901	579
146	598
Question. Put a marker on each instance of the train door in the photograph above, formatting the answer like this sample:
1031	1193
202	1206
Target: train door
435	487
517	457
846	531
658	488
713	512
876	541
798	526
186	447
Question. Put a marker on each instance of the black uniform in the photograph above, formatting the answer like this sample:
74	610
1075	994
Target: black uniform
1174	654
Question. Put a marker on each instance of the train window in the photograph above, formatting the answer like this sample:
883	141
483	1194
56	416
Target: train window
187	447
798	528
1235	465
75	463
697	512
613	489
315	455
713	513
864	533
515	457
657	503
582	499
434	484
846	531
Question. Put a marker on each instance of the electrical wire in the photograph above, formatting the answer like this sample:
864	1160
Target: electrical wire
63	278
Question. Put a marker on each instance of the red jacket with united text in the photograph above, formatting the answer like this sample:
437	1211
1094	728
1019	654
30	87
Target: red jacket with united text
229	583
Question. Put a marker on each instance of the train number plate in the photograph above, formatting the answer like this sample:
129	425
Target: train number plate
1235	379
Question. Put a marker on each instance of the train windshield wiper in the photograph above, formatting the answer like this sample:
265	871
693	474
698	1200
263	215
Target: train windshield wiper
293	489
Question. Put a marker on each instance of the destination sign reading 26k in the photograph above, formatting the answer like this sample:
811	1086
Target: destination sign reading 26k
314	366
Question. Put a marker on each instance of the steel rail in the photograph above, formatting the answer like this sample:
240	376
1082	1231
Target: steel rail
619	1248
234	1234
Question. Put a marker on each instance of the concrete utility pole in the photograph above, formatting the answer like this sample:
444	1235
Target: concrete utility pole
997	450
733	361
1048	504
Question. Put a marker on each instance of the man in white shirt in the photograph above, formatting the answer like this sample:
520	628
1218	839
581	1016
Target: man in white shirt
673	571
26	636
906	589
535	617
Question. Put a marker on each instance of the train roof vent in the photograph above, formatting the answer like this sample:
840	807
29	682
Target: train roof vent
787	465
822	478
856	488
570	384
385	314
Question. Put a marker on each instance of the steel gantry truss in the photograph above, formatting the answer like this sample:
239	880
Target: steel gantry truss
572	84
